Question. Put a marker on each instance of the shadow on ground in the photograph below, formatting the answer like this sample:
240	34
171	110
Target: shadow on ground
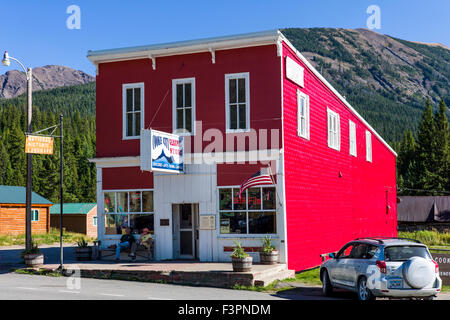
313	293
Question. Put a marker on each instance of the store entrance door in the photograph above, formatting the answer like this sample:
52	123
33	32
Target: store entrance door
185	230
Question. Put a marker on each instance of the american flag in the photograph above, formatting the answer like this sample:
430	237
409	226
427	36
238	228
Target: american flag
255	180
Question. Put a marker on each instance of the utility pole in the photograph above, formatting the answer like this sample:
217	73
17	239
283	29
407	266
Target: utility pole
61	172
28	239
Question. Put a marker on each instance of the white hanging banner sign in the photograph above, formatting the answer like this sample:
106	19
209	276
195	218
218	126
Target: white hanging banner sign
161	151
294	72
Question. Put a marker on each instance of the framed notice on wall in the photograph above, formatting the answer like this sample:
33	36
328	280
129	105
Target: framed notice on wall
207	222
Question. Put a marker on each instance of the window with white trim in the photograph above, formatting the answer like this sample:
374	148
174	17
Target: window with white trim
368	146
334	130
35	215
352	137
128	209
133	110
94	221
237	102
252	213
302	115
183	102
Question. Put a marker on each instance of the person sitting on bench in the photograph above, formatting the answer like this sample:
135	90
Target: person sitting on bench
126	241
144	240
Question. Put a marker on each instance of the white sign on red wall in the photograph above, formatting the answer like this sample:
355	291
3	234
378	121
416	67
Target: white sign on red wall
161	151
294	72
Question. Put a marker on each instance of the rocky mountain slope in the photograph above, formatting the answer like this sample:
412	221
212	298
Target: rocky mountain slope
386	79
13	83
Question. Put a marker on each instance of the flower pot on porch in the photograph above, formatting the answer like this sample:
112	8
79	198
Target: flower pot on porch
269	258
33	260
83	254
242	264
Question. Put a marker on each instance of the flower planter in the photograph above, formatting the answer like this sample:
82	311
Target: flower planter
269	258
34	260
83	254
242	265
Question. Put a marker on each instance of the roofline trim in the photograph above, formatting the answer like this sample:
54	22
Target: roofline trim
185	47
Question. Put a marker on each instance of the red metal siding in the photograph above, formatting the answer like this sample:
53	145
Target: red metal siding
235	174
126	178
324	210
261	62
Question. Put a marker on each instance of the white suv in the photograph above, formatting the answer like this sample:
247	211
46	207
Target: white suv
382	267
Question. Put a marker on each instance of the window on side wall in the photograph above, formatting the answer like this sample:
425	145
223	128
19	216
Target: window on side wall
237	102
183	102
352	137
334	130
35	215
368	146
133	110
302	115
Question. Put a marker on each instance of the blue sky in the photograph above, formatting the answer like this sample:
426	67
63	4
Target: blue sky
35	31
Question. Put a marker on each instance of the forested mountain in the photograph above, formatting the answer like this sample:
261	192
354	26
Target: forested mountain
77	104
387	80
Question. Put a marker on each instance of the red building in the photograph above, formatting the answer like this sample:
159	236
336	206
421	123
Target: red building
241	103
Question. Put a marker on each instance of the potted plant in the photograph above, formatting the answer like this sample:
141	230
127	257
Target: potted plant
33	257
83	251
268	253
241	261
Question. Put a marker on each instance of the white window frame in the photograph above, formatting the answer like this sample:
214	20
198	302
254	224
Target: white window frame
331	143
368	146
305	97
229	76
128	212
352	138
94	221
126	86
246	211
33	215
174	106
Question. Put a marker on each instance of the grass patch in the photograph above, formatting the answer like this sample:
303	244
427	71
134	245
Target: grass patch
40	272
46	238
428	237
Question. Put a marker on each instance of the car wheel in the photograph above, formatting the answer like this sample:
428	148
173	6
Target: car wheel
430	298
327	288
364	294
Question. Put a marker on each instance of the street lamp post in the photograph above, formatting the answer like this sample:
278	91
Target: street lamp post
6	62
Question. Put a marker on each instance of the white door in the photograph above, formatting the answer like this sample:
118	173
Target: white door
185	230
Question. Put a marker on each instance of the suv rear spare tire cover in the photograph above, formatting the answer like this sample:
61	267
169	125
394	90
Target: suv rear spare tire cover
418	272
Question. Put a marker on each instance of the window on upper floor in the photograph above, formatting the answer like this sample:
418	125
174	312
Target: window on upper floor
183	102
133	110
368	146
352	137
302	115
334	130
237	102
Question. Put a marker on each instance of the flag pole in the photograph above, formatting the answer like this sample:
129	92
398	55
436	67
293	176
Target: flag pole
273	181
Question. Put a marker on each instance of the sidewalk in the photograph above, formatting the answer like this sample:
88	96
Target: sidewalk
179	272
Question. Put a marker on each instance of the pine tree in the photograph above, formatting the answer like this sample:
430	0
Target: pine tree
441	147
405	160
424	172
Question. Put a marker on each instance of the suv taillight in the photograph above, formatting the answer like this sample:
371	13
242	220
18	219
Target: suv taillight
436	267
382	266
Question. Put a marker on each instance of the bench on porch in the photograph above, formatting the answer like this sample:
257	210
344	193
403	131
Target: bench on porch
141	251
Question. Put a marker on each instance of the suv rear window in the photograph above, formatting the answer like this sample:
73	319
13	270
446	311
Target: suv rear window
403	253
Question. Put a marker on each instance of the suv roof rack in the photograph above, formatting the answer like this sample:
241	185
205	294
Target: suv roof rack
380	239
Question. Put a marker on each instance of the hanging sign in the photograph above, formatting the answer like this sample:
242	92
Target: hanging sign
161	151
38	144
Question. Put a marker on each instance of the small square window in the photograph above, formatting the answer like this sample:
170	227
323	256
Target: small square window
34	215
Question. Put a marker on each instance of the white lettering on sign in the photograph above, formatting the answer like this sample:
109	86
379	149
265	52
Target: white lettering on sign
294	72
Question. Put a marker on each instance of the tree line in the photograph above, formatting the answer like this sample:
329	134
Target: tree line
79	143
423	163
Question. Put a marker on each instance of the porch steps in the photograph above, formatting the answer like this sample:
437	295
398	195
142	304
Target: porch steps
280	272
